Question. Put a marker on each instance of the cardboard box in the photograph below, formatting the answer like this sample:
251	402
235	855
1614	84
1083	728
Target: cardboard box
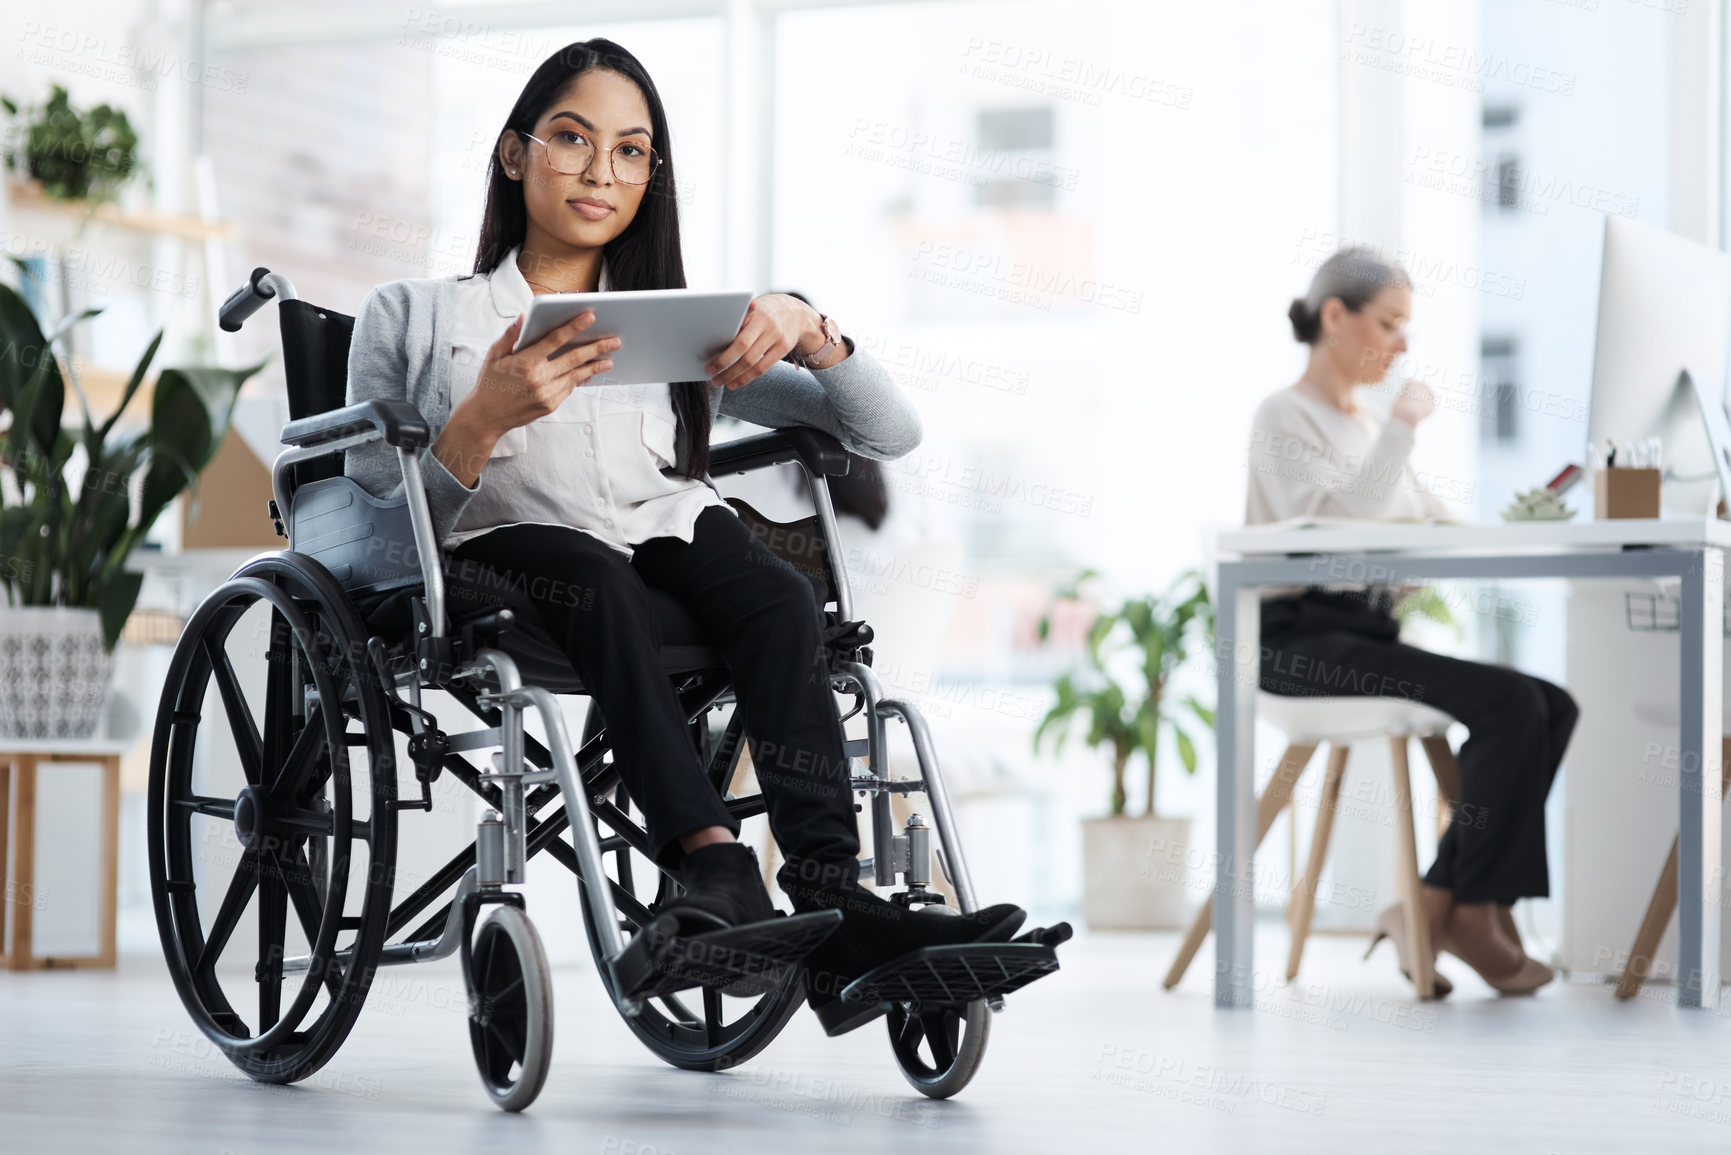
231	508
1625	493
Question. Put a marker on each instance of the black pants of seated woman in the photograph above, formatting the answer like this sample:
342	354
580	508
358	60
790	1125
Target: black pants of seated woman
1518	726
758	613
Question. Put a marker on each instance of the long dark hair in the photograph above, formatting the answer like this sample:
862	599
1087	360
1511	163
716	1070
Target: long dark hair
646	255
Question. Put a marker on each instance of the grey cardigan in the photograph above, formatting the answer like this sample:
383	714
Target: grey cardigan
401	350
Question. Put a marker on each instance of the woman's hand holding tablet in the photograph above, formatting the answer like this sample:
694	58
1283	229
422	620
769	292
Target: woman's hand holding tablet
547	352
774	325
669	333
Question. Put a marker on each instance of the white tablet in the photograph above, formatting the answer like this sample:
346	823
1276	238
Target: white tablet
666	334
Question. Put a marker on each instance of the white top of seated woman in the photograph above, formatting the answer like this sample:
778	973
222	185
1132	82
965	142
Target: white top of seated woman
595	464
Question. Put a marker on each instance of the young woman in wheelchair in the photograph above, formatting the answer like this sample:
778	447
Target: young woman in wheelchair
590	497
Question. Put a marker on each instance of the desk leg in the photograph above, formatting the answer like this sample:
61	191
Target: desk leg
21	950
1238	629
7	895
1702	620
109	907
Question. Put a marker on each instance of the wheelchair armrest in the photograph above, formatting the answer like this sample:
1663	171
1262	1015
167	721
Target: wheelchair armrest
820	453
398	422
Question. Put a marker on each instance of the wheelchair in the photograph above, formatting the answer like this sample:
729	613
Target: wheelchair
259	805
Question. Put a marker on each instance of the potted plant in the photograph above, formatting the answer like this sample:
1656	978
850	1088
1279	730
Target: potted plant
64	541
72	155
1134	868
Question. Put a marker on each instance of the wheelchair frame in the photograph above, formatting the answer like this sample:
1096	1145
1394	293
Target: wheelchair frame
527	776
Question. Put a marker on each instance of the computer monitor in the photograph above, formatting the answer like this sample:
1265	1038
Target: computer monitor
1664	310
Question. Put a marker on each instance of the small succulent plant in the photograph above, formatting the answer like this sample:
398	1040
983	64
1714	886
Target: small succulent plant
1538	504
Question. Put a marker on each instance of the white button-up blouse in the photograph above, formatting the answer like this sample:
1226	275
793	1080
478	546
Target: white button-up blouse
422	341
595	463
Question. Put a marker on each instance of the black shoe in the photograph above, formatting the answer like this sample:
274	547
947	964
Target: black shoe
874	931
723	888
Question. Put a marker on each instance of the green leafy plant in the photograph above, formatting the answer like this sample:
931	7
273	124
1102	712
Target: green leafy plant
76	155
67	545
1119	694
1427	603
1537	504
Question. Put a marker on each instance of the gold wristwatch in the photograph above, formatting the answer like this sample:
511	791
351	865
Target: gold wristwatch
833	339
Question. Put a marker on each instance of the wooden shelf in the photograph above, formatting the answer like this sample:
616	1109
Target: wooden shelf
27	196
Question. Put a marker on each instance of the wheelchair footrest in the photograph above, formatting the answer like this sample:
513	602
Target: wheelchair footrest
953	976
743	960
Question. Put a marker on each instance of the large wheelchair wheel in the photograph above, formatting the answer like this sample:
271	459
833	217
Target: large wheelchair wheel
699	1029
937	1048
510	1008
255	810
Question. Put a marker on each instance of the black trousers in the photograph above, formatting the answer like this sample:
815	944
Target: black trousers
757	612
1519	726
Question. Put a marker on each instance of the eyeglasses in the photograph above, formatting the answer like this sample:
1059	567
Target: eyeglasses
571	153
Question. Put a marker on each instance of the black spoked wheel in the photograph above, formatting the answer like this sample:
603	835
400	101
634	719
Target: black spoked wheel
270	864
939	1049
698	1029
510	1008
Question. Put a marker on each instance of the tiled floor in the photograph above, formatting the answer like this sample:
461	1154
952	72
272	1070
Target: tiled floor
1094	1059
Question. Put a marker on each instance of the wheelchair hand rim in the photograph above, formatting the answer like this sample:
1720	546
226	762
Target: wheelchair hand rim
172	753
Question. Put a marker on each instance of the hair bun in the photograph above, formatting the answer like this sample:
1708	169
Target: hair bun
1305	324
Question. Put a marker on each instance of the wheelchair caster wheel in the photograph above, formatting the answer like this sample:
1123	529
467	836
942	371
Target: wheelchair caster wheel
510	1008
939	1048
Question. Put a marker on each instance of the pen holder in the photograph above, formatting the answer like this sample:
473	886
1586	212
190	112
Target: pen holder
1625	493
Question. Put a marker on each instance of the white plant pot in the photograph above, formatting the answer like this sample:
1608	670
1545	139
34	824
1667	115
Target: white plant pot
1134	873
55	677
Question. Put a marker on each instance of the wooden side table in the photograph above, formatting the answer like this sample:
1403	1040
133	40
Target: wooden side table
21	761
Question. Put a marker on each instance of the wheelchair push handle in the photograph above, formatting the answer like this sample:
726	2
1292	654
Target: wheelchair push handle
262	286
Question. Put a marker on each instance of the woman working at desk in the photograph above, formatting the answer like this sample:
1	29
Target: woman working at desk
1317	452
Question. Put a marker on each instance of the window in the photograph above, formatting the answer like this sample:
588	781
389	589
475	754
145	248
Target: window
1497	116
1017	129
1017	148
1498	376
1509	183
1504	176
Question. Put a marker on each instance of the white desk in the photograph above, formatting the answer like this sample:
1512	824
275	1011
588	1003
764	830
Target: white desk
1252	559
